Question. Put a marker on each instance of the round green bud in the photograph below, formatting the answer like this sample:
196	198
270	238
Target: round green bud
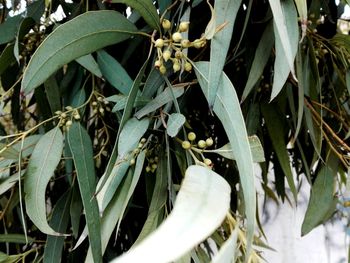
183	27
69	123
162	69
188	66
94	103
185	43
166	24
159	43
201	144
186	145
143	140
148	169
69	108
158	63
199	43
176	66
191	136
132	161
166	55
154	166
177	37
178	54
207	162
76	116
209	142
58	112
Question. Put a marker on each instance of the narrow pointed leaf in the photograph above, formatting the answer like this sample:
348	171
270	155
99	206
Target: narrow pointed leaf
96	29
227	108
322	201
146	9
227	252
225	12
81	147
175	122
15	238
196	206
90	64
42	164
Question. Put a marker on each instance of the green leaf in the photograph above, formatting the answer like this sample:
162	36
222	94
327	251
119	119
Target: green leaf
174	124
128	140
81	147
9	182
255	147
322	201
159	101
97	29
9	28
286	42
146	9
121	101
52	91
196	206
59	221
7	58
115	74
225	12
262	55
90	64
227	108
23	28
42	164
13	152
227	252
275	129
158	201
15	238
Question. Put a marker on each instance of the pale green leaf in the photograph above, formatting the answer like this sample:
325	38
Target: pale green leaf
115	74
286	42
42	164
322	201
261	57
225	11
196	206
255	147
227	252
15	238
81	148
9	182
227	108
90	64
174	124
96	29
159	101
13	151
146	9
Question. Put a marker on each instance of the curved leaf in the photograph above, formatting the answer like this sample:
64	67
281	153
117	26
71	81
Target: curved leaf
146	9
175	122
42	164
80	36
81	148
196	206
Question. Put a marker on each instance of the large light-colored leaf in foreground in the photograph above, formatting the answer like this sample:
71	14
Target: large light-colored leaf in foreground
82	35
201	205
227	108
42	164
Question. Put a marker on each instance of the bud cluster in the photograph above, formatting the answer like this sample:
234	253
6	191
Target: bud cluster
170	47
99	106
66	118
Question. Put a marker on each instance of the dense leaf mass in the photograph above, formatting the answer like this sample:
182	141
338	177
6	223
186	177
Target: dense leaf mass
128	125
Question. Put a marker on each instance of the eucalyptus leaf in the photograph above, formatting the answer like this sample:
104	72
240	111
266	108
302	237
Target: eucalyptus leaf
81	147
227	252
174	124
195	207
42	164
90	64
97	29
15	238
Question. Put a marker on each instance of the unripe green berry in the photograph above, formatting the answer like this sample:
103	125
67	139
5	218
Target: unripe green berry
94	103
132	161
136	151
166	24
162	69
201	144
186	145
148	169
178	54
185	43
159	43
154	166
158	63
166	55
191	136
183	27
176	66
207	161
101	110
209	142
177	37
188	66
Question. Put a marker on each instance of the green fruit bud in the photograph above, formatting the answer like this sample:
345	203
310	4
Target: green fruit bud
143	140
186	145
178	54
159	43
154	166
188	66
69	123
166	55
183	27
158	63
148	169
177	37
201	144
191	136
176	66
162	69
185	43
199	43
209	142
166	24
207	162
132	161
